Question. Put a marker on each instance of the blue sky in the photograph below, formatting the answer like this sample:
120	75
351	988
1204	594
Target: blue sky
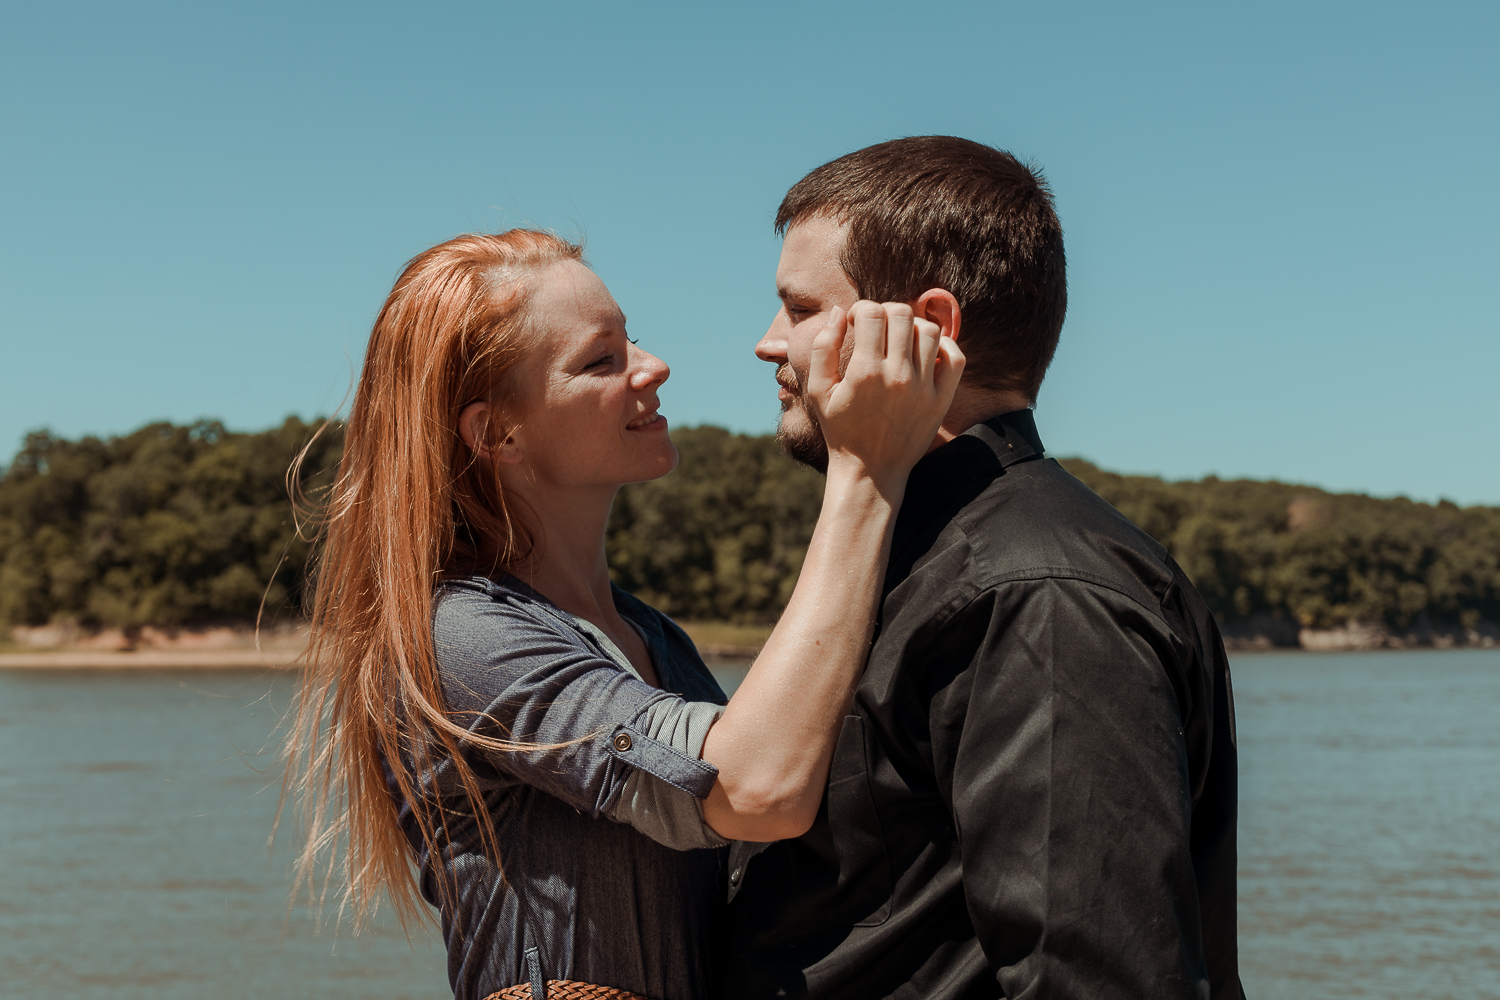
1281	218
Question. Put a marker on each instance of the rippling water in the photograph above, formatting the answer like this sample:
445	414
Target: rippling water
134	811
1370	824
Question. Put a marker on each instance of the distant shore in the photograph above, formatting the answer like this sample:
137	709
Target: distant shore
149	659
279	648
282	647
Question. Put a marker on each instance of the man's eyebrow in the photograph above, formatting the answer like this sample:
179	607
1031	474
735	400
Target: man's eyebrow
784	292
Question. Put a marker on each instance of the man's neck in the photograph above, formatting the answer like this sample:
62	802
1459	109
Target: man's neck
975	406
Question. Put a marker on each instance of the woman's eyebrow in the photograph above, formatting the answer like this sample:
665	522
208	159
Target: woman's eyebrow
590	347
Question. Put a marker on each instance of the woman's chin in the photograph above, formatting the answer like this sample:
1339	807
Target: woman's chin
663	463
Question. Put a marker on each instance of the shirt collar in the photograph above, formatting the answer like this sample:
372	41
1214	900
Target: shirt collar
981	452
1011	436
947	479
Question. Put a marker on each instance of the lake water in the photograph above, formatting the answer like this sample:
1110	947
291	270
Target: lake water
134	811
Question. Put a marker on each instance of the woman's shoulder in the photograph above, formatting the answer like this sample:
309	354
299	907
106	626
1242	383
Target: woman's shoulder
477	587
481	619
461	599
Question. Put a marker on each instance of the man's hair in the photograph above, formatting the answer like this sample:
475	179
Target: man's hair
937	211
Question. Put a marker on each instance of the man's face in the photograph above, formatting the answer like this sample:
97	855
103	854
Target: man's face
811	283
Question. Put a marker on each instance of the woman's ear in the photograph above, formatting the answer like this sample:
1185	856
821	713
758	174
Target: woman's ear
938	305
509	451
473	427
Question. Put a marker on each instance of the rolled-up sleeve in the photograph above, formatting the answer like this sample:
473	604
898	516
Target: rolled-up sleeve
1071	794
663	807
589	733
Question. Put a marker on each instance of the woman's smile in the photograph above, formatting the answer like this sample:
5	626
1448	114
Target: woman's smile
649	421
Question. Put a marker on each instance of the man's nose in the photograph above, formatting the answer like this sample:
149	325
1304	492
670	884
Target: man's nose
772	346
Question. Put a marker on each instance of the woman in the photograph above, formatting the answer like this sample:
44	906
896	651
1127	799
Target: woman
551	753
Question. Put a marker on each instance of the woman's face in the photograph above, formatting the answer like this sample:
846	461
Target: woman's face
588	395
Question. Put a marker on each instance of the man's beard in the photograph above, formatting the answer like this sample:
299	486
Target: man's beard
803	443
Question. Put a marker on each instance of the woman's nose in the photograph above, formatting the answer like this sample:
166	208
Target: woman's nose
649	370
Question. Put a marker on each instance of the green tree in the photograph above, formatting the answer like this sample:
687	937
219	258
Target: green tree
177	525
165	526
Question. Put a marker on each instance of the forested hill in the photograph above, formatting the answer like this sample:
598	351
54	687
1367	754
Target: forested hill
177	525
1269	556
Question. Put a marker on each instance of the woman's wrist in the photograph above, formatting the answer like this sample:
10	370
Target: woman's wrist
850	476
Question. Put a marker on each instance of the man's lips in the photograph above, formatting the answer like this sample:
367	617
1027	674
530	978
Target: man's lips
786	380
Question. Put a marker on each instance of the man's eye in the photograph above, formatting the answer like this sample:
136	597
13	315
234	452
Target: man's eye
608	359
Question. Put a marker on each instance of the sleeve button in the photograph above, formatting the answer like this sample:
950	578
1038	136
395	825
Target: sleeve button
622	742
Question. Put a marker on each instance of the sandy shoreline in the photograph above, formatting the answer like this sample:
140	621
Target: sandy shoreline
152	659
234	647
227	659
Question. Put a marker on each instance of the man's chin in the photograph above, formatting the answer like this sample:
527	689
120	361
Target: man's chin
802	440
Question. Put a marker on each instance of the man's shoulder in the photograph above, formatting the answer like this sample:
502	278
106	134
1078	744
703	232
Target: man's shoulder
1036	522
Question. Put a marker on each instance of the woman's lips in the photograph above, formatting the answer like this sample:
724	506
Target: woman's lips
649	422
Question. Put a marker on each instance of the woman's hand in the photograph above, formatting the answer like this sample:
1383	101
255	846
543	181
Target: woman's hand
775	741
879	416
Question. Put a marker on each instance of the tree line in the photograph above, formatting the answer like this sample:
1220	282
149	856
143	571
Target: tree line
184	525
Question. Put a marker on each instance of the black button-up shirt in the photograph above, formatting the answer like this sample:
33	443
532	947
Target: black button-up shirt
1035	793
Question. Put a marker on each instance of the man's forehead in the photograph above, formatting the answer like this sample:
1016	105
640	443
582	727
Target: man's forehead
819	236
810	249
809	266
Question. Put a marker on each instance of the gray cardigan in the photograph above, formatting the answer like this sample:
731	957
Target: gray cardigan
607	873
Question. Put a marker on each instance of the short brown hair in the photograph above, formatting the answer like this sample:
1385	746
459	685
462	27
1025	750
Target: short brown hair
937	211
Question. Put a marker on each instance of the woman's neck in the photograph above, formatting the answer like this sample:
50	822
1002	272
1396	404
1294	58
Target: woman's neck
567	564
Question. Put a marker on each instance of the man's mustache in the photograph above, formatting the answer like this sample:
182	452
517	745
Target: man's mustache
786	375
787	378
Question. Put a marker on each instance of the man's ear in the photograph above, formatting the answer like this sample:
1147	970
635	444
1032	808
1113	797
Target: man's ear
473	427
938	305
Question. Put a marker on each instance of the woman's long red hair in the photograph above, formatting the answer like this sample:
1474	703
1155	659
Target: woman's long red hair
410	506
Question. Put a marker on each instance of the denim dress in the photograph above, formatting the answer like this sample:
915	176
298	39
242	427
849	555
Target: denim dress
607	873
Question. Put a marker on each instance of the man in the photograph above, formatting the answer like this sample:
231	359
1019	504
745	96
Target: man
1034	792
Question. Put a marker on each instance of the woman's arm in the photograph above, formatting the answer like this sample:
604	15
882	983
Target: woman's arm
775	741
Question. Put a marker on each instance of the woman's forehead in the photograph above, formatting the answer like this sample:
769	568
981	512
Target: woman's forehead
570	294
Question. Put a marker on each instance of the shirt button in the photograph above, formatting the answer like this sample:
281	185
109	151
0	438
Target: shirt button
734	876
622	742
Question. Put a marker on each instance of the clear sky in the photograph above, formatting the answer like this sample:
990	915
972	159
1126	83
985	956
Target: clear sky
1281	218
